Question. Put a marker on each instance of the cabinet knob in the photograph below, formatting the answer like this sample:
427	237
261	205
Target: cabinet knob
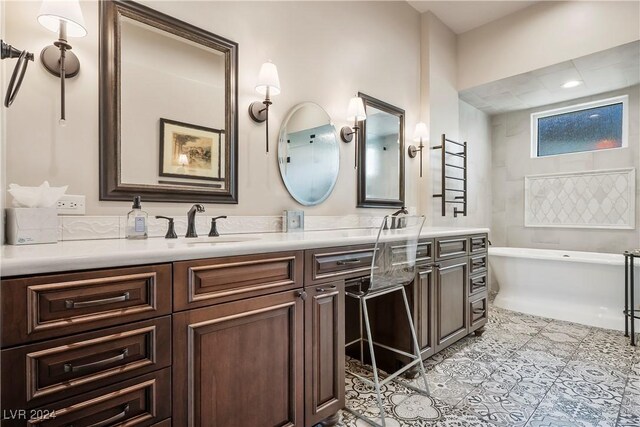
302	295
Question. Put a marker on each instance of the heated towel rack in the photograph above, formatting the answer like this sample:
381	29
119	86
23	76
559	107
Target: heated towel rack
454	175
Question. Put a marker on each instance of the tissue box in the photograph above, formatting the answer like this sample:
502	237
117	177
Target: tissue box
30	226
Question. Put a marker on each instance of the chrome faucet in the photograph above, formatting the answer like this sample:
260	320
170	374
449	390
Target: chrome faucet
191	220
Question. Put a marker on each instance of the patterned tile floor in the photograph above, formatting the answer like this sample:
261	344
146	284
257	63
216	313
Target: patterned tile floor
524	371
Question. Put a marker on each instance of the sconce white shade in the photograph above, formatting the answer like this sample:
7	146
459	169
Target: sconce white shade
183	160
421	132
268	79
355	110
52	12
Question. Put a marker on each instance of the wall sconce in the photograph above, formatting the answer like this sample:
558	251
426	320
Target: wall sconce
268	85
65	18
7	52
421	133
355	113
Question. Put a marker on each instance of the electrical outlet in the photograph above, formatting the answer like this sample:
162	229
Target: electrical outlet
71	205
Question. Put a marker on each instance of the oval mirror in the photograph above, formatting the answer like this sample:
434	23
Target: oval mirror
308	154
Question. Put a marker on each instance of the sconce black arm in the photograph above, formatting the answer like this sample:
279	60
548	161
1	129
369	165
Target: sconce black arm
6	52
259	112
347	134
413	151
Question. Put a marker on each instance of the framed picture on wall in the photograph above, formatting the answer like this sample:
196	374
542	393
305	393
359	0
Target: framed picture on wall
191	151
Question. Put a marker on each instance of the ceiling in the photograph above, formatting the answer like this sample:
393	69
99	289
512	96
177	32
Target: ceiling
611	69
462	16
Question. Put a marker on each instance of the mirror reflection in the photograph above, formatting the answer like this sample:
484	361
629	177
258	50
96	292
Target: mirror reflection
170	134
381	177
308	154
383	154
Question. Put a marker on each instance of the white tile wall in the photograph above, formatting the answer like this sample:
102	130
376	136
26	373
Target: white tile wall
511	148
113	227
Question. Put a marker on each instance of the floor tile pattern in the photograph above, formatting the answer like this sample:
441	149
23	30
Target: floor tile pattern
524	371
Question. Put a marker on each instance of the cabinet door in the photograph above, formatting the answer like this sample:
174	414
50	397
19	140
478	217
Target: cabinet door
451	301
324	352
240	364
425	315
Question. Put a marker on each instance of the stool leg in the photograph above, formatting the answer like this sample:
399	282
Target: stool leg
632	302
376	380
626	295
416	346
361	337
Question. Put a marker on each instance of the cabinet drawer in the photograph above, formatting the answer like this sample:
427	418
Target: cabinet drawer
451	247
333	263
478	264
424	252
478	243
142	401
216	280
478	284
60	368
477	313
39	307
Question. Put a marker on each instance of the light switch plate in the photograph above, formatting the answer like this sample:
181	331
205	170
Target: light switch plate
293	221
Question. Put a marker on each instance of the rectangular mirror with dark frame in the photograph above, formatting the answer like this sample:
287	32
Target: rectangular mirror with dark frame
168	108
381	172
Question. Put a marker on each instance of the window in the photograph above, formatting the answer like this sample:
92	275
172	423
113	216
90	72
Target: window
592	126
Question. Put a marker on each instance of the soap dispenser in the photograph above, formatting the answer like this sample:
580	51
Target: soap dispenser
137	221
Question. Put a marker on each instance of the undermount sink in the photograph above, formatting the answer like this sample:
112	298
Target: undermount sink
217	240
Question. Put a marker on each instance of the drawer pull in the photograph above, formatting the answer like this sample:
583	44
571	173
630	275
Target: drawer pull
475	285
349	261
477	245
330	288
68	367
478	311
69	304
109	421
477	264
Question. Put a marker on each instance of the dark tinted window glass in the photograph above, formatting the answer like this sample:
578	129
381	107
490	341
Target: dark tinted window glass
592	129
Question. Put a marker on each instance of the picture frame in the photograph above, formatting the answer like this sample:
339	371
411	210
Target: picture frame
191	151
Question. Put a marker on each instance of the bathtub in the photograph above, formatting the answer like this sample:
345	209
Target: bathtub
580	287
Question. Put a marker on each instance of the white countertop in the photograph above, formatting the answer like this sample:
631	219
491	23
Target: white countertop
86	254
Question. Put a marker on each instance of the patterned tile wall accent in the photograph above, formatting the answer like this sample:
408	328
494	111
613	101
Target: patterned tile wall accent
113	227
594	199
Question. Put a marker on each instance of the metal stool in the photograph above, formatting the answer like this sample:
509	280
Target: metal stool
392	268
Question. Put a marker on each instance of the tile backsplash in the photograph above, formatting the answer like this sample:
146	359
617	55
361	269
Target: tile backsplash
113	227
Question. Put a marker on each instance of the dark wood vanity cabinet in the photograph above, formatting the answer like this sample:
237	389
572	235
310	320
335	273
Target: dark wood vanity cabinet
229	341
425	312
451	283
448	299
260	333
240	363
324	351
88	348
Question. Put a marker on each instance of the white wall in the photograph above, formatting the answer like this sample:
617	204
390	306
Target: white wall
544	34
325	52
511	150
445	114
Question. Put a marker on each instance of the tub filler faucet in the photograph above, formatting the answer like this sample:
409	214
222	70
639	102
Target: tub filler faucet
191	220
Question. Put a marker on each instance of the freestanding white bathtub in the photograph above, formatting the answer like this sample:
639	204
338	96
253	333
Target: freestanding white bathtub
580	287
